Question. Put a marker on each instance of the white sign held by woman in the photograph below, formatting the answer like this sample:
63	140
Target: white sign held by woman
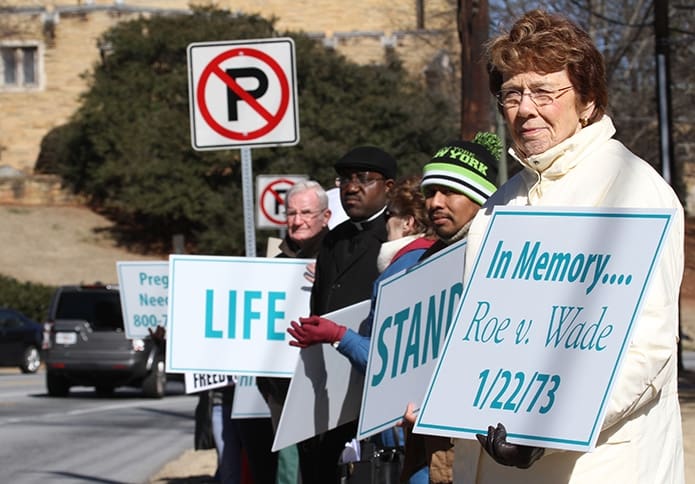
544	324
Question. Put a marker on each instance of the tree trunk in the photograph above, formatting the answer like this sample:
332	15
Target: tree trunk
473	26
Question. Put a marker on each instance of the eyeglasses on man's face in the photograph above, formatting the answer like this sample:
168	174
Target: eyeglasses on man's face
511	98
360	178
303	214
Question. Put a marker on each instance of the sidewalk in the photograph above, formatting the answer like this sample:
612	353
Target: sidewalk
197	467
191	467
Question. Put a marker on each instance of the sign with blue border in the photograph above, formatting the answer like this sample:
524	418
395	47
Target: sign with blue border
544	324
144	290
410	323
230	314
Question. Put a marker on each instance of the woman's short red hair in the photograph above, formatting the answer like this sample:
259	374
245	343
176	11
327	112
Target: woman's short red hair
543	42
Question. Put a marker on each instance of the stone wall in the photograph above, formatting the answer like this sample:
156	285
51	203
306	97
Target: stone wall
35	190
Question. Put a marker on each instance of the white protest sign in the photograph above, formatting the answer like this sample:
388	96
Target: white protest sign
544	324
198	382
410	322
229	314
248	401
338	214
325	390
144	288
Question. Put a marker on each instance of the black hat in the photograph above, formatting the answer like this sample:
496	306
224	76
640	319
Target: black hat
468	167
368	158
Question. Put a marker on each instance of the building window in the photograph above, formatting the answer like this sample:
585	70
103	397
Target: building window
20	67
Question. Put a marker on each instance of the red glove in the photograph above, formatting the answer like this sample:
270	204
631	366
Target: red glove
313	330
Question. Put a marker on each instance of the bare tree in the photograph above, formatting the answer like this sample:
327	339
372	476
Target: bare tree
624	31
473	27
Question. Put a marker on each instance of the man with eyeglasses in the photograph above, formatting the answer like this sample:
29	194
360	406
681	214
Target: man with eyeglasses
346	264
307	213
345	270
456	182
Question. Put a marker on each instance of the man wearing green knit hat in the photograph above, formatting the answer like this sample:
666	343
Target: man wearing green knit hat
456	182
459	179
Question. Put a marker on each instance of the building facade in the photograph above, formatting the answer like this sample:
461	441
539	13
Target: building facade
47	47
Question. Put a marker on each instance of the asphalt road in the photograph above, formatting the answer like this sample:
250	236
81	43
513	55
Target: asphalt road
124	439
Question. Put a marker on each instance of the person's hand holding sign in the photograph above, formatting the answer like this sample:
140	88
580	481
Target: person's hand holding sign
313	330
505	453
409	417
310	273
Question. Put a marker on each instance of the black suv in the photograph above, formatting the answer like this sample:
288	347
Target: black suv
87	345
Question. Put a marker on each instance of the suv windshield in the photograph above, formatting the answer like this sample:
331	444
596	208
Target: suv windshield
102	309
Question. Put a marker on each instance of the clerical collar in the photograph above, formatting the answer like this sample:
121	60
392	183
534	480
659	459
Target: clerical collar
362	225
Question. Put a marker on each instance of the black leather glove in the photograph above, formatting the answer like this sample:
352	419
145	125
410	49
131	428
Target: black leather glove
514	455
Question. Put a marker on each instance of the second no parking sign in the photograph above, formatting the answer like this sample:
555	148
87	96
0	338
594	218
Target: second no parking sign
243	93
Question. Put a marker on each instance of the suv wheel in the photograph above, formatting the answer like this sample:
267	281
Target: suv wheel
154	384
31	360
57	385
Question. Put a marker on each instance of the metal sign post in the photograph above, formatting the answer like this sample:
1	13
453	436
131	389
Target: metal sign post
243	94
247	195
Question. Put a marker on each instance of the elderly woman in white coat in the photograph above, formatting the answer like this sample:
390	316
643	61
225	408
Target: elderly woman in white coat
549	81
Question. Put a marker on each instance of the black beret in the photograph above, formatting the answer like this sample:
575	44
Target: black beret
368	158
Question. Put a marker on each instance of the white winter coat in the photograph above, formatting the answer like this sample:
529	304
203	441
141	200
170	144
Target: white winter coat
641	437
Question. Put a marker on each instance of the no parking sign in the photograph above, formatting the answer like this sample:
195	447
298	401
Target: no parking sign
271	191
243	93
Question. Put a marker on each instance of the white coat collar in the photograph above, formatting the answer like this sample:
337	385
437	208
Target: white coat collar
560	159
390	248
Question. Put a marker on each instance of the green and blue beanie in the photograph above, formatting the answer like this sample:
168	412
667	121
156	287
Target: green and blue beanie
468	167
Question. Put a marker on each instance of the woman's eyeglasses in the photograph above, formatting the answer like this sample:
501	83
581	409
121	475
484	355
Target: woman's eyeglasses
511	98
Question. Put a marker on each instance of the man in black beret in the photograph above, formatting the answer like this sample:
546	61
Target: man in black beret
346	264
345	270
